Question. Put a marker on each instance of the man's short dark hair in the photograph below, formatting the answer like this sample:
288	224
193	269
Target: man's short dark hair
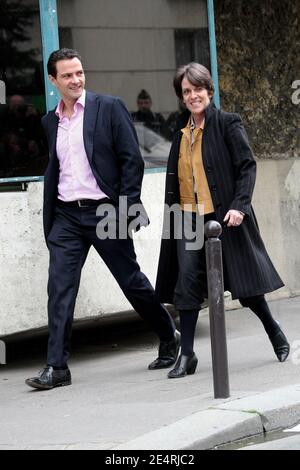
60	54
195	73
144	95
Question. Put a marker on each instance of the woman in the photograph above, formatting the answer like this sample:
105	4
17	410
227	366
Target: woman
211	167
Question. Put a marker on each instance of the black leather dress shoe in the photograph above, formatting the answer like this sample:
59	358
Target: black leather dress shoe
49	378
281	346
186	365
167	353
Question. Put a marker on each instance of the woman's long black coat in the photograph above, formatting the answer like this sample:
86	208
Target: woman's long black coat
230	170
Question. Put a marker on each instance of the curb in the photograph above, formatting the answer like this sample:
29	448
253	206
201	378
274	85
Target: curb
225	423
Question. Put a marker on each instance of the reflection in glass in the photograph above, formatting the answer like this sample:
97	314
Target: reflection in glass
135	56
146	116
23	150
154	148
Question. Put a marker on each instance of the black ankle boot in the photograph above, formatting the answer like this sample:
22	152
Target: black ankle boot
280	345
185	365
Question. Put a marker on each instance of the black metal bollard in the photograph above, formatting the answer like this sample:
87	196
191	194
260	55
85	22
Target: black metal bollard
213	250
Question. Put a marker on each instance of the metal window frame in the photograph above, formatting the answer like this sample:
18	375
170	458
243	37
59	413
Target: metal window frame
213	50
50	42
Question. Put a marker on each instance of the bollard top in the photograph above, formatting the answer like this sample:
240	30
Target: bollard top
212	229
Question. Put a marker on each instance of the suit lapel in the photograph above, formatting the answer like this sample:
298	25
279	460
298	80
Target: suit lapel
89	122
52	132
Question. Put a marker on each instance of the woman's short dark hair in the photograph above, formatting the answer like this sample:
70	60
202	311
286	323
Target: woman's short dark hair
60	54
195	73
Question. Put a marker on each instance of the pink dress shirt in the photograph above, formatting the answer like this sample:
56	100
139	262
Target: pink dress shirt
76	179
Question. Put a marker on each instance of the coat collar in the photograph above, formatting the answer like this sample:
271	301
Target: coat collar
185	116
209	112
89	122
52	124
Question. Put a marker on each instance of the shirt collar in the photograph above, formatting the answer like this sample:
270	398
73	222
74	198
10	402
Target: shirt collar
192	124
60	106
188	130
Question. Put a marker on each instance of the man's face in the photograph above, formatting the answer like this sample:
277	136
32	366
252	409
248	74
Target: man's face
144	104
16	102
17	105
70	79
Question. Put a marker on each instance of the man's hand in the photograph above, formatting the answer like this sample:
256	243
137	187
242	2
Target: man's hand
233	218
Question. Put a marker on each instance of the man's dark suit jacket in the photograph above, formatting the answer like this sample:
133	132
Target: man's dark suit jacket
112	149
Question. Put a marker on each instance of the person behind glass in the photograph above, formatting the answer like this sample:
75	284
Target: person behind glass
173	122
94	159
22	137
145	115
211	164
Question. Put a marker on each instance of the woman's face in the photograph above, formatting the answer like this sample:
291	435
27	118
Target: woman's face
194	97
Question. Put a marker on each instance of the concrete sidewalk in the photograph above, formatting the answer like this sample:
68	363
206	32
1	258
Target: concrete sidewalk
116	403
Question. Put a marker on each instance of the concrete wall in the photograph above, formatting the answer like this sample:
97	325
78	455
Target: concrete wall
24	258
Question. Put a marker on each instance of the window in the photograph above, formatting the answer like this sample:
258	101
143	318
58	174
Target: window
23	150
133	56
131	49
192	45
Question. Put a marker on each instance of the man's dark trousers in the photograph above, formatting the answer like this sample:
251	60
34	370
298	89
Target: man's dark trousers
72	235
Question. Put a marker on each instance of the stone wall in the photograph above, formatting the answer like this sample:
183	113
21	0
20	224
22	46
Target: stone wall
258	44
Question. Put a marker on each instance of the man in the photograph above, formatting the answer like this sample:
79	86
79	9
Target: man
145	115
94	159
